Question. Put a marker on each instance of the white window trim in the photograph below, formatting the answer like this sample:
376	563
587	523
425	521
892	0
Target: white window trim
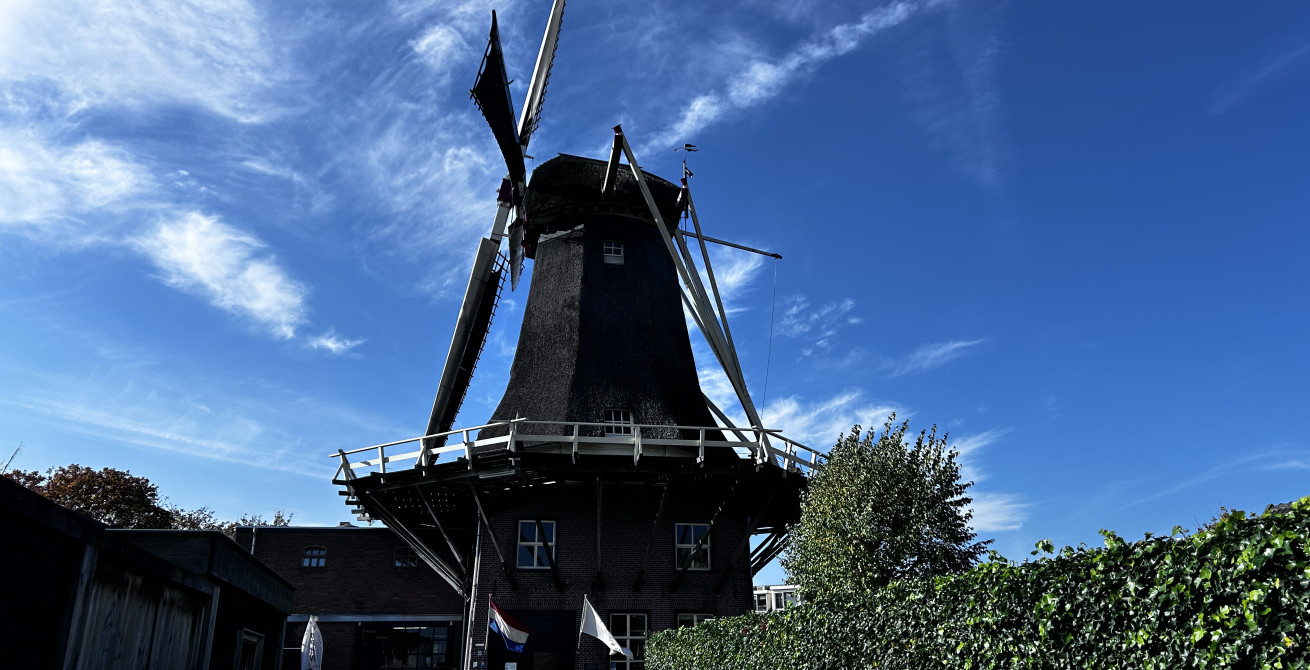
678	546
618	421
537	544
639	653
609	247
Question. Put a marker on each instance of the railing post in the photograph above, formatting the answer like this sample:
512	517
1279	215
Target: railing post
468	455
701	458
513	428
575	443
382	459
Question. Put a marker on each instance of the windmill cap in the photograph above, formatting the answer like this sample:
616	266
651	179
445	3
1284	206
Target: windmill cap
565	187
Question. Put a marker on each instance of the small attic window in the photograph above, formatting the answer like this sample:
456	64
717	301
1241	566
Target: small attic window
613	252
618	422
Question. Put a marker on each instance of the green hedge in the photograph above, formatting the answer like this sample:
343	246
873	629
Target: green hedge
1234	595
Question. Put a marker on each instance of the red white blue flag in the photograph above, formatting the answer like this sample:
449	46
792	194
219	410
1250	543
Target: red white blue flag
512	630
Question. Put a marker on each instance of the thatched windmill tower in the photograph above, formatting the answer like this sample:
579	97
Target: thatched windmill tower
603	470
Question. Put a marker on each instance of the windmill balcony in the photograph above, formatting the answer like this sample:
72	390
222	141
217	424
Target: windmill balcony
759	445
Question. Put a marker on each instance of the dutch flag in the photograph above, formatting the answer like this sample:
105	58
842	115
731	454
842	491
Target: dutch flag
511	629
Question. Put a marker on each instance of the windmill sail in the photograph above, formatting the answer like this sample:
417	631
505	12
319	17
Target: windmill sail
541	74
491	92
475	314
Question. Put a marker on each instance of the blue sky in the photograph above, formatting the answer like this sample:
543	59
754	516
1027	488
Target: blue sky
233	235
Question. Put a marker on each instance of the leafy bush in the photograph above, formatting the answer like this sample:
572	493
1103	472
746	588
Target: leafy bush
1236	594
882	509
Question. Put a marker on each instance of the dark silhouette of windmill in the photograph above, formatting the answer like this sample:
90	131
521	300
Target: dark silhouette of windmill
603	470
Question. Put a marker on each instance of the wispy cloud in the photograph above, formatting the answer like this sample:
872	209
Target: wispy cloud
438	45
931	356
201	255
951	89
761	80
1292	464
333	343
970	446
1237	88
43	184
993	512
817	326
213	55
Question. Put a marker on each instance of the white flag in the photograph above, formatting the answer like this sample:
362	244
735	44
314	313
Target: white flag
311	646
593	626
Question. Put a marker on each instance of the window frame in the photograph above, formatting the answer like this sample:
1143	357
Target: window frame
679	547
696	617
404	557
626	640
535	544
313	556
618	421
612	252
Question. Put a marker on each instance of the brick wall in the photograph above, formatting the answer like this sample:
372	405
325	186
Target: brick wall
628	515
358	582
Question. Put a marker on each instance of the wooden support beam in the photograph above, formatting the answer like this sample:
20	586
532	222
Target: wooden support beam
598	584
541	532
491	533
704	539
712	336
441	528
769	550
659	516
746	538
734	245
612	167
452	576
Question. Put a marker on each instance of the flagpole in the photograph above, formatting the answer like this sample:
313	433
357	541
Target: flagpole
486	631
580	615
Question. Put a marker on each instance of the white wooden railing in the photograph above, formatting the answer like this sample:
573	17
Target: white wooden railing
763	446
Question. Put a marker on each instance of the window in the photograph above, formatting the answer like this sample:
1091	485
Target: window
762	602
404	557
618	422
536	551
685	537
250	649
408	647
613	252
629	630
692	618
313	557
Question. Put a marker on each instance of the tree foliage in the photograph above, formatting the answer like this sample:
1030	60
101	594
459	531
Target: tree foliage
116	498
882	510
119	499
1234	595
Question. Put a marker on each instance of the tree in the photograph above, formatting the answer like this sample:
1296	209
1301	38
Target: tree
882	510
203	519
113	497
119	499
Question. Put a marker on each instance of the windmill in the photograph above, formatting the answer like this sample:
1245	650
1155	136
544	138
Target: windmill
604	470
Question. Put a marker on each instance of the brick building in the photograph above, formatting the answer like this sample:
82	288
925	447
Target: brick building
378	605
